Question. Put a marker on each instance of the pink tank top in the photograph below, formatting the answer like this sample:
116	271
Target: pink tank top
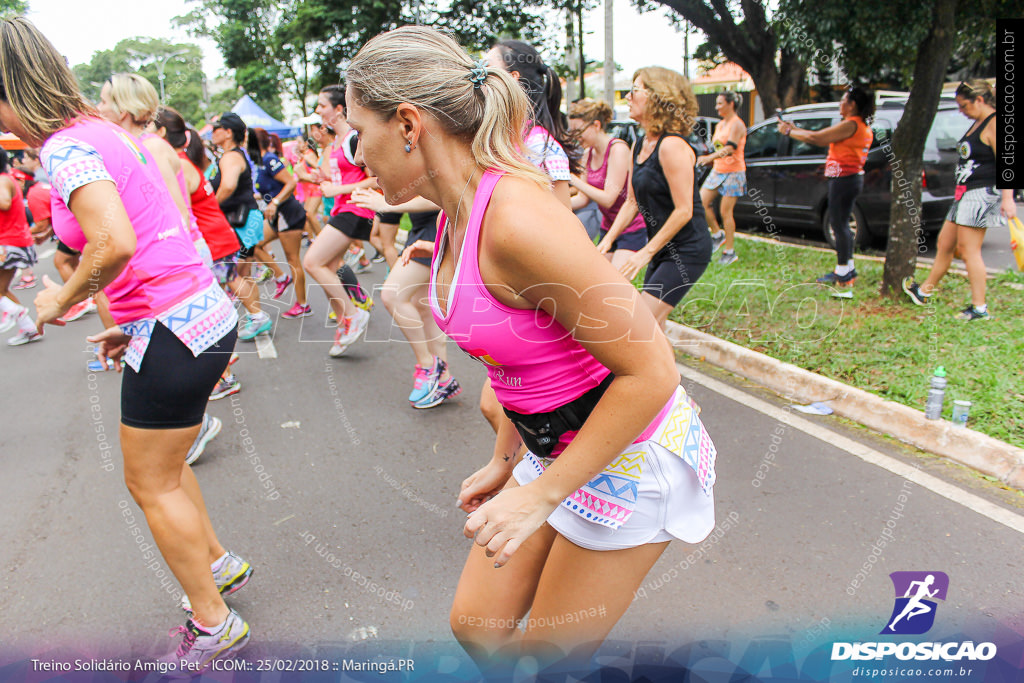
345	172
534	363
597	179
165	268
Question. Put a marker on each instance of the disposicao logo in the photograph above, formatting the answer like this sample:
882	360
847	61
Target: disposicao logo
916	592
913	613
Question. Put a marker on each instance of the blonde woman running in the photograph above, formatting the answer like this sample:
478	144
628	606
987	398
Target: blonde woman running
590	388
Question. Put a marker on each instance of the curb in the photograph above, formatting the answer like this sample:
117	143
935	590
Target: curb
966	446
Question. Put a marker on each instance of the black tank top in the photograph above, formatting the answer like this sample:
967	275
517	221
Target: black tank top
654	197
242	196
977	165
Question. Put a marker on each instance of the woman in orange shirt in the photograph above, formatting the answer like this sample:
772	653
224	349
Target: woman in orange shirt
848	143
728	176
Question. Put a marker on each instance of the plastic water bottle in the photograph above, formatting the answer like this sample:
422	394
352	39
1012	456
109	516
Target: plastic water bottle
933	408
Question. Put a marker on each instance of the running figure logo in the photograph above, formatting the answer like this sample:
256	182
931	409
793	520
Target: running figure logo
914	611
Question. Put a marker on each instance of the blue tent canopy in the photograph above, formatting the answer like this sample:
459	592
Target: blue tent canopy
255	117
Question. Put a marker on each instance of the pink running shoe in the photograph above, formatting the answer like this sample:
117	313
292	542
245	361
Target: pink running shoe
298	311
282	286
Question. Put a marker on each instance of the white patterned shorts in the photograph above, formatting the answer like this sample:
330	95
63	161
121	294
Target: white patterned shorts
12	258
977	208
666	493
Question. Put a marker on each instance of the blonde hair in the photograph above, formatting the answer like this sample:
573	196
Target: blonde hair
975	88
671	105
133	95
36	82
588	111
429	70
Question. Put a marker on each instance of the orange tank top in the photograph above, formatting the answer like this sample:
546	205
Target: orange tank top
730	164
847	157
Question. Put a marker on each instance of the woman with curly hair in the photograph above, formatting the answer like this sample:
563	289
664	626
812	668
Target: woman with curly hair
663	189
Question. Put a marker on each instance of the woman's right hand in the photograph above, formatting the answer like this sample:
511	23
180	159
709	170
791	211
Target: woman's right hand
111	344
420	249
483	485
604	246
785	127
368	199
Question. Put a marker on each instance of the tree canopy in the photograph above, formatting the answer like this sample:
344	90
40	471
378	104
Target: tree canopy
182	67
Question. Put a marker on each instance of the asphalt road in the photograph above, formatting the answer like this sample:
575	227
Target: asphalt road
352	486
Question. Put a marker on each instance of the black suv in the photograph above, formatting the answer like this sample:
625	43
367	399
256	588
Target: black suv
790	174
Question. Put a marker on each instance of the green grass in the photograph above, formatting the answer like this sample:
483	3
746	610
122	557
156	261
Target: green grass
768	302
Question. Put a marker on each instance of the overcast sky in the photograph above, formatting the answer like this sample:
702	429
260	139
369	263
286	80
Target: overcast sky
640	40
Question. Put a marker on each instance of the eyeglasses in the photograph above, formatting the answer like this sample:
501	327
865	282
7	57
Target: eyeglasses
965	90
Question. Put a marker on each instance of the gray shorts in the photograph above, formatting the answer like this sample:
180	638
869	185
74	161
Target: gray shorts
977	208
12	258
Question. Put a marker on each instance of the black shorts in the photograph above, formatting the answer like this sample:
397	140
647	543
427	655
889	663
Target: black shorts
65	249
424	227
351	225
291	215
677	267
630	241
172	386
389	218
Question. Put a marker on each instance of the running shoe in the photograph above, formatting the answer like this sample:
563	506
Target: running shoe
352	257
225	387
717	240
363	268
265	274
230	575
24	337
913	290
728	257
366	304
282	286
298	311
443	392
424	380
6	321
332	316
200	646
233	359
78	310
26	282
337	349
379	258
844	293
833	278
209	429
252	327
356	327
972	313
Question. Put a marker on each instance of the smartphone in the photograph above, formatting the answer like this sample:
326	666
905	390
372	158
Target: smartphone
778	114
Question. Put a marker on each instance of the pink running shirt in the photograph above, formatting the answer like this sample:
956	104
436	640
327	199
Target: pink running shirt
344	171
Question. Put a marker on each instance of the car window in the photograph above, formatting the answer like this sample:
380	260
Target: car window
762	142
882	130
946	131
806	149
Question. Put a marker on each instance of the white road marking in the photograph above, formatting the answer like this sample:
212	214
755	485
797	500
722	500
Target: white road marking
908	472
265	346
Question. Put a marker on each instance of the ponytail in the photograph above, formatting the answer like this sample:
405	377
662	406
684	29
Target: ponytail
484	107
194	149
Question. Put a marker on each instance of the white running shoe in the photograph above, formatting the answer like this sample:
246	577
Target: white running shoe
200	646
209	429
356	328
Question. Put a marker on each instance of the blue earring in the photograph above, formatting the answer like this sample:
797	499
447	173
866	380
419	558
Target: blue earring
408	147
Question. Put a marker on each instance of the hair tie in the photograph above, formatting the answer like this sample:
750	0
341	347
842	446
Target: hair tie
188	136
478	74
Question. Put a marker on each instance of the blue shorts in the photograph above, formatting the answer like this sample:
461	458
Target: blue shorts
727	184
630	241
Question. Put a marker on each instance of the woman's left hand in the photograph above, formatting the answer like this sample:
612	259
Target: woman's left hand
634	264
111	344
1009	208
504	522
48	311
704	160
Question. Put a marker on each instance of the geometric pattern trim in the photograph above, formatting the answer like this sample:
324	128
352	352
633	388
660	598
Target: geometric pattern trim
199	322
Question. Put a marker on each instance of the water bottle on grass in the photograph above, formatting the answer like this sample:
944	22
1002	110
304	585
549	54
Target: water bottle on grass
936	392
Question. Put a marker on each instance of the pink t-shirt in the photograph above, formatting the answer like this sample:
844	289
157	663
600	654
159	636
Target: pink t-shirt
165	269
345	171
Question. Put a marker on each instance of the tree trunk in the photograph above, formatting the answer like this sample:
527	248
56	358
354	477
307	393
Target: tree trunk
906	232
579	47
570	54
